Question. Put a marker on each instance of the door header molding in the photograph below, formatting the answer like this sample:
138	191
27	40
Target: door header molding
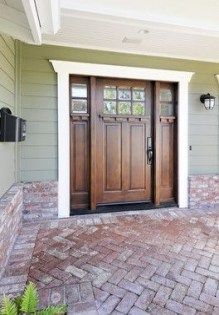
65	68
114	71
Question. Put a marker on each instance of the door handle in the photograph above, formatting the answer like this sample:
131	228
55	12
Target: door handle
150	156
150	152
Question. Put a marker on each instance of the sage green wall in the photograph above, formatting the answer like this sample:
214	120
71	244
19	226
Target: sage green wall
39	106
7	99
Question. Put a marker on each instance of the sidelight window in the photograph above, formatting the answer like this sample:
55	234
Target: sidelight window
167	101
79	98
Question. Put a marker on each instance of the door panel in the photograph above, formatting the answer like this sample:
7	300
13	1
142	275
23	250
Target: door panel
123	128
166	142
80	134
113	157
137	156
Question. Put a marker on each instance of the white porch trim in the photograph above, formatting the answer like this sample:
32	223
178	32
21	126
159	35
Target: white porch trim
65	68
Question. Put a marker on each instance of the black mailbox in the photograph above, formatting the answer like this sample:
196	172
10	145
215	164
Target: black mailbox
12	128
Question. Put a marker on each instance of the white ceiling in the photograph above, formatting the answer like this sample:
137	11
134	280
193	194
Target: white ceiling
186	29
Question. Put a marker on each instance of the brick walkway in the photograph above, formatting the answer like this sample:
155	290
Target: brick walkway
149	262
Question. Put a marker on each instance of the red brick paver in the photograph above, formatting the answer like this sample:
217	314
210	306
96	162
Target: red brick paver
149	262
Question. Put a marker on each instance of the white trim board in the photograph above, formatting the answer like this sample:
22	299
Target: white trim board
65	68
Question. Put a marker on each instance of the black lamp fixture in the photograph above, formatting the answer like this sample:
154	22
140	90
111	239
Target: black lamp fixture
208	100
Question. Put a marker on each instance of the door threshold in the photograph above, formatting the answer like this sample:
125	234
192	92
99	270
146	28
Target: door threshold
122	207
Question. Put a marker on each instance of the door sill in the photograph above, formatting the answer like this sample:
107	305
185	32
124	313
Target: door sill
123	207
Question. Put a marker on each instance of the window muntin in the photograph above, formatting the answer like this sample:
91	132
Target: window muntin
122	100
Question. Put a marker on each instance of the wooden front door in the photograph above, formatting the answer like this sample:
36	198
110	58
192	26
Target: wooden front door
123	141
124	132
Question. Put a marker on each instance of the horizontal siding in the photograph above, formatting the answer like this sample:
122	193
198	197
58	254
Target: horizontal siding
39	152
7	96
39	106
39	175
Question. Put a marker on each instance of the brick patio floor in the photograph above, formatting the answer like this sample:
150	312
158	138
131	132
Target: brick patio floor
148	262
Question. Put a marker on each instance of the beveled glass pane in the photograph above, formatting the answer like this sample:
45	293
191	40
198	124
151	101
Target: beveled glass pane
138	108
166	95
79	90
138	94
78	106
109	92
167	110
109	107
124	94
124	108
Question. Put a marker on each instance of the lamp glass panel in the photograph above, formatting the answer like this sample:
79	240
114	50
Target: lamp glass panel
212	103
207	103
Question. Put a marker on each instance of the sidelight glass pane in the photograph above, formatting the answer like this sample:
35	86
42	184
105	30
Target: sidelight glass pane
138	108
124	108
110	92
79	90
167	110
79	106
124	94
138	94
109	107
166	95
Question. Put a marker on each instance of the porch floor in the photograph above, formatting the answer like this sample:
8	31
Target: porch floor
162	261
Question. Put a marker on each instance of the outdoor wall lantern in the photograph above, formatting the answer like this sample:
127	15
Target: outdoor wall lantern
208	100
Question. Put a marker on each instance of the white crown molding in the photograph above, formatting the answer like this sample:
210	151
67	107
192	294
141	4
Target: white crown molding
65	68
92	69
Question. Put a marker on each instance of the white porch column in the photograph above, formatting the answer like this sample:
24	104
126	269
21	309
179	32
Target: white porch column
183	156
63	146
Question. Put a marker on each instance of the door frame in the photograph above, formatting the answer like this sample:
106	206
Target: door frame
66	68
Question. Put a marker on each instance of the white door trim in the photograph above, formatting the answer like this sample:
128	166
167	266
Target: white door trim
65	68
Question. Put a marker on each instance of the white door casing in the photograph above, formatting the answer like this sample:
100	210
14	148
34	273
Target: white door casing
65	68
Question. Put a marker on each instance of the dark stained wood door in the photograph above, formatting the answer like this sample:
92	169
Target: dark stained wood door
123	128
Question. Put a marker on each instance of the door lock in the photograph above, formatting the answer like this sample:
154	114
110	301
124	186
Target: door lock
150	152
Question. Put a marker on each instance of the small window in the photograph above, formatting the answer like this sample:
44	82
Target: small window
124	108
122	100
110	107
166	95
79	101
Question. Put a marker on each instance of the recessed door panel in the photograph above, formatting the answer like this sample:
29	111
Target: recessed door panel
113	157
137	156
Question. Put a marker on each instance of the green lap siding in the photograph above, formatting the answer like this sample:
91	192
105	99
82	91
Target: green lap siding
7	99
39	106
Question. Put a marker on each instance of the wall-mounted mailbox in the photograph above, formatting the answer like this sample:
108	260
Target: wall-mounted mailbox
12	128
